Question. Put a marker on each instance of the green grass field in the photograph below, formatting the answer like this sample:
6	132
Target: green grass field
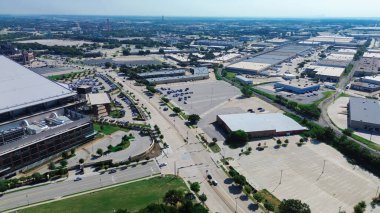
133	196
108	129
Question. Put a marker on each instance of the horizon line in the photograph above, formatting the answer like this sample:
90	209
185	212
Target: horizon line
214	17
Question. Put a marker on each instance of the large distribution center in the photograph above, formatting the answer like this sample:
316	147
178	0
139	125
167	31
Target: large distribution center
38	118
266	60
364	114
260	125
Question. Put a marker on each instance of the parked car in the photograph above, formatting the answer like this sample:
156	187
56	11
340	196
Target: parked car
214	182
209	177
112	171
77	179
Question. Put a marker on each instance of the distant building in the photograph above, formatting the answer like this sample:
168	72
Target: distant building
244	80
363	114
325	73
365	87
367	67
100	103
260	125
296	86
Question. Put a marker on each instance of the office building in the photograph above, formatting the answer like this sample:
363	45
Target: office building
38	119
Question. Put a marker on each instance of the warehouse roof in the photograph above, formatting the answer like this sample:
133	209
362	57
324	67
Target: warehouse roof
20	87
162	72
251	122
329	71
246	65
363	110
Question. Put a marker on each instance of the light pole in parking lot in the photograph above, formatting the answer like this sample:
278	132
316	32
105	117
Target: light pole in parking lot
281	177
323	169
236	204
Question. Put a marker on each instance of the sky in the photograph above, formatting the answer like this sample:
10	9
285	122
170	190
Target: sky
197	8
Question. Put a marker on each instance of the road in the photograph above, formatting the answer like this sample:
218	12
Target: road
69	186
324	120
191	159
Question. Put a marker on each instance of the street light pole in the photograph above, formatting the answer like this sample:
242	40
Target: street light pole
281	177
324	163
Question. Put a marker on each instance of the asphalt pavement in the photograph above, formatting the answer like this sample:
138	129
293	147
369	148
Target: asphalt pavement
69	186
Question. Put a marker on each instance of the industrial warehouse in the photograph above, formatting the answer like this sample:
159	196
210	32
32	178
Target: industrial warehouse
174	76
267	60
363	114
38	119
260	125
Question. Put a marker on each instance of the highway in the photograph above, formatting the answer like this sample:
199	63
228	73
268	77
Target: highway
69	186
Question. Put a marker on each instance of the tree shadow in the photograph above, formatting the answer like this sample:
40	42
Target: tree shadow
228	181
253	207
235	190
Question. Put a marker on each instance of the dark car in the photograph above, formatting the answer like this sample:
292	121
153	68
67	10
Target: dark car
209	177
112	171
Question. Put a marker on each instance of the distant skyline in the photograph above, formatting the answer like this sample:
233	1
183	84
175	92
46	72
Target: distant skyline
197	8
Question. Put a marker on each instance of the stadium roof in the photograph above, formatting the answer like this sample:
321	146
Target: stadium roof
20	87
251	122
364	110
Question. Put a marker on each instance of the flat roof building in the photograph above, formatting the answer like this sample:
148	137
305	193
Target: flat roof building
365	87
371	79
162	73
297	86
38	119
363	114
244	79
367	67
260	125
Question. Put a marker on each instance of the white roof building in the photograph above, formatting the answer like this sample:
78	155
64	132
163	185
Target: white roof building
21	87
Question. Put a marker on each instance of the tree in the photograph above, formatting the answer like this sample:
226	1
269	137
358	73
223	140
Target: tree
173	197
37	177
122	211
239	179
151	89
247	91
65	155
348	132
193	118
238	137
72	151
51	166
360	207
81	161
202	198
293	206
99	152
286	141
108	65
177	110
3	186
195	187
161	137
279	142
63	163
214	140
158	208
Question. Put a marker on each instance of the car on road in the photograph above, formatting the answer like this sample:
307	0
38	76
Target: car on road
214	182
112	171
166	109
209	177
77	179
163	164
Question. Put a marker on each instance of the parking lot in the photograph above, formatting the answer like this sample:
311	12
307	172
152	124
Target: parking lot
204	95
314	173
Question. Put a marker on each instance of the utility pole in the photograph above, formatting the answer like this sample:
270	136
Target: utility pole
281	177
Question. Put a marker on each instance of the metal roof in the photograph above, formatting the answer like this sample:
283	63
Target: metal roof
21	87
251	122
364	110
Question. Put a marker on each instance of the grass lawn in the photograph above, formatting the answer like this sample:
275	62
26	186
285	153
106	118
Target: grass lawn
133	196
64	76
366	142
230	75
108	129
270	198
